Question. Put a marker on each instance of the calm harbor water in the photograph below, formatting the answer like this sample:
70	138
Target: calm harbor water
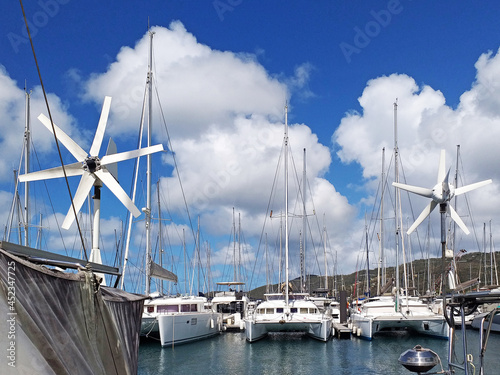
282	354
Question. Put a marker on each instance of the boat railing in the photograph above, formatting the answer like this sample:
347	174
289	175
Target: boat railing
458	357
291	296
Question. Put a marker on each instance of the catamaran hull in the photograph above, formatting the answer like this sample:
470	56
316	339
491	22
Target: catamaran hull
258	330
495	326
367	327
175	329
233	322
149	327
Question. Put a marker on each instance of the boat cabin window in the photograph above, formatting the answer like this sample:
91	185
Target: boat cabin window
293	310
231	307
279	310
269	311
150	309
189	307
304	310
164	309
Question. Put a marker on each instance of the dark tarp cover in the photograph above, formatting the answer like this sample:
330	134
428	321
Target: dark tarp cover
64	323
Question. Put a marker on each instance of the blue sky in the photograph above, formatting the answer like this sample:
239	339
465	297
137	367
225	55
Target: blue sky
224	72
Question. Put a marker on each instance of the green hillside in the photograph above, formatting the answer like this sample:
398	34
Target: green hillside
469	266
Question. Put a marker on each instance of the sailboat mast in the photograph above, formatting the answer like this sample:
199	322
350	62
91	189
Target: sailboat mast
267	270
234	248
396	192
381	265
428	256
238	276
491	258
493	261
185	260
134	190
27	140
368	288
38	242
148	173
286	204
198	256
304	222
484	256
160	237
324	253
455	201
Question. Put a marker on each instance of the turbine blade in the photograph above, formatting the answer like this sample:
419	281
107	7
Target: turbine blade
426	212
114	158
414	189
70	145
442	167
445	186
101	127
467	188
117	190
447	177
74	169
81	194
457	219
111	150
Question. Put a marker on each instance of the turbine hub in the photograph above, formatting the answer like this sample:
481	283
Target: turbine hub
92	164
443	192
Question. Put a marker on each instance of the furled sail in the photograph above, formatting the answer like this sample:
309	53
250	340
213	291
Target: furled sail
161	273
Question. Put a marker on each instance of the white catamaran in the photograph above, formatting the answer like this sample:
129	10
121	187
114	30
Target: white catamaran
398	312
287	311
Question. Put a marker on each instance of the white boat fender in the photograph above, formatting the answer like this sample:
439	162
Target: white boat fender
212	325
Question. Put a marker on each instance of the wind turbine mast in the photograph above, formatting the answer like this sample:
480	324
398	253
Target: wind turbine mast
441	194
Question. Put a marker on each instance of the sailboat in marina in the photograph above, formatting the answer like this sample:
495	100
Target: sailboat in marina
171	319
287	311
400	311
232	303
179	319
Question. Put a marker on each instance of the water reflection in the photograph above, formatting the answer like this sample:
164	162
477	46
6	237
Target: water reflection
281	354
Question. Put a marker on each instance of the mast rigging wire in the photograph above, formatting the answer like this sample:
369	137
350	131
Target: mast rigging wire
53	131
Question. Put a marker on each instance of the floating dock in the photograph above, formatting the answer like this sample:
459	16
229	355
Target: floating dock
341	331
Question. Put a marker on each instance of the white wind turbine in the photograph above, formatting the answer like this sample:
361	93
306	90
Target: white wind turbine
441	194
95	172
